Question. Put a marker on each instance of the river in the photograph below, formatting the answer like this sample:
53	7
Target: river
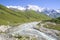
27	29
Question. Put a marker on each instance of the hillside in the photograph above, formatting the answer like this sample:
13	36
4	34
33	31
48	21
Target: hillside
8	16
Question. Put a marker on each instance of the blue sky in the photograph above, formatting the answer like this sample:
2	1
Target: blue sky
53	4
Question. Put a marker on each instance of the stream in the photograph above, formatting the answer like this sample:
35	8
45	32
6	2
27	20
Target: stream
27	29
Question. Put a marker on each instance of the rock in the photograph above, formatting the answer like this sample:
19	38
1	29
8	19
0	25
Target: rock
6	37
3	28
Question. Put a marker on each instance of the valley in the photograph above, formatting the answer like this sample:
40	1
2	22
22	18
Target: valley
27	25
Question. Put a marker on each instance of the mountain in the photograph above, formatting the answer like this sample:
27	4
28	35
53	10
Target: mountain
8	16
50	12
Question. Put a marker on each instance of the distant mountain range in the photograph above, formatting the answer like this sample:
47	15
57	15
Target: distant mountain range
50	12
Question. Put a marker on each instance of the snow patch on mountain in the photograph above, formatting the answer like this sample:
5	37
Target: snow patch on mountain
58	11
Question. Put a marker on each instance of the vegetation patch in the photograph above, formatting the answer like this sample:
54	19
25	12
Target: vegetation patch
52	26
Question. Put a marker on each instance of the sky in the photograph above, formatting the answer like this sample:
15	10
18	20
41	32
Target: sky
52	4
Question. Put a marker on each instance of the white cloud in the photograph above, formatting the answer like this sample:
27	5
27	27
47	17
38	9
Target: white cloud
32	7
17	7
